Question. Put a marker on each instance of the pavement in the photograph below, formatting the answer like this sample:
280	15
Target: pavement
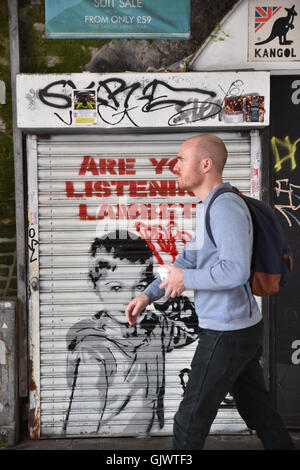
248	442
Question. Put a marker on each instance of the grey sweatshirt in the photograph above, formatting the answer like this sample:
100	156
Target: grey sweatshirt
219	275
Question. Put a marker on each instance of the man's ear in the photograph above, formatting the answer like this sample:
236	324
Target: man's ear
206	164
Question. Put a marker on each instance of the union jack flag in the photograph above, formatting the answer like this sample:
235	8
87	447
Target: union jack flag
264	14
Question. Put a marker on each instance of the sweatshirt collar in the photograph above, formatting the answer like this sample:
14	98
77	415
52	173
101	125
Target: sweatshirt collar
223	185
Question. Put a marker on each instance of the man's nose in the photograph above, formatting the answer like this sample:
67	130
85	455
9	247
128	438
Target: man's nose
176	168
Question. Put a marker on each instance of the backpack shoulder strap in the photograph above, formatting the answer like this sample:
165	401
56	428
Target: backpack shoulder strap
207	214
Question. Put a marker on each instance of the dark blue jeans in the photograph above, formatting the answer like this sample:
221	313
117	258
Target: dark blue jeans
228	361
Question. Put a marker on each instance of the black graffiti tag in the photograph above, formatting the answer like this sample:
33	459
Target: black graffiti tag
160	102
118	100
156	94
32	244
114	102
195	111
63	120
45	96
186	111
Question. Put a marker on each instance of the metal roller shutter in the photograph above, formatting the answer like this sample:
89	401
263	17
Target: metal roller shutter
91	374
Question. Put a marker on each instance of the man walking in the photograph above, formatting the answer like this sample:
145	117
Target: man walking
231	328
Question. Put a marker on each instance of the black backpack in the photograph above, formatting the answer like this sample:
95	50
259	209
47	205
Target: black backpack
272	260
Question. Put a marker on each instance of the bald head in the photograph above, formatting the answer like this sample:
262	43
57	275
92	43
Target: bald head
207	145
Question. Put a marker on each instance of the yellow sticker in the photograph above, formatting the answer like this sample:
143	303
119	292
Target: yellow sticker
85	120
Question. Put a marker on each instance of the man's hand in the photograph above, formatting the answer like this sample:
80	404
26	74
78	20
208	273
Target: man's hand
174	284
135	307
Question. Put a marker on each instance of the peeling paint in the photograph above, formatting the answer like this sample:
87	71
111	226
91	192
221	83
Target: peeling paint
34	423
32	384
34	412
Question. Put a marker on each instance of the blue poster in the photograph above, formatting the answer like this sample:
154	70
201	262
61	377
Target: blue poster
143	19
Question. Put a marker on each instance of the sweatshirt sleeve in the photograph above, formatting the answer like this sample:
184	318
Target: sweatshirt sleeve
231	227
153	291
186	260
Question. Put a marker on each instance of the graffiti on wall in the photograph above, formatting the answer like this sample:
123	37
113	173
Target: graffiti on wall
118	100
122	370
162	224
142	101
285	315
32	245
289	196
286	153
130	362
289	150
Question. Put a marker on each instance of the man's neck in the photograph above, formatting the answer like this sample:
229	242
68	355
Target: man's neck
207	188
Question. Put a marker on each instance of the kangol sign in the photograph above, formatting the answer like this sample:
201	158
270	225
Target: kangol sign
274	30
